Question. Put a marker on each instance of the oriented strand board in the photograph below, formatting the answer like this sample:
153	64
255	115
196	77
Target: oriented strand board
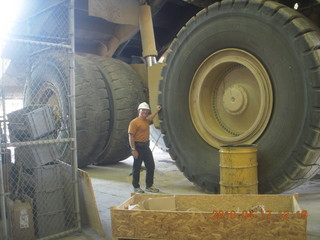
194	218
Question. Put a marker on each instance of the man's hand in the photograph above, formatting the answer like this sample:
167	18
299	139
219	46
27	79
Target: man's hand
135	154
151	116
158	108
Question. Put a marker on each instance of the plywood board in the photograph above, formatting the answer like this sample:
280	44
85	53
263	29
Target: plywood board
195	218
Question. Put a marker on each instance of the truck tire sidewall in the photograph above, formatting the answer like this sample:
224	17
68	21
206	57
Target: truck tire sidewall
125	92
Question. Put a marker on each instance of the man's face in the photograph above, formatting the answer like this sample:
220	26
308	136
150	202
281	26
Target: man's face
143	113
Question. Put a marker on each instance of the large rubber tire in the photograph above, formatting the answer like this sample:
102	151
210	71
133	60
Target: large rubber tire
125	92
47	84
284	44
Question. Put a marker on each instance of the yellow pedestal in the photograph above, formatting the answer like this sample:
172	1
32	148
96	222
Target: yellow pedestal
238	169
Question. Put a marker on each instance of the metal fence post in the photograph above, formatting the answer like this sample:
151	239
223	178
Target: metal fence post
73	110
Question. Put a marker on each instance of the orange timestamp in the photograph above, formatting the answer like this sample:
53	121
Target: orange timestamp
262	214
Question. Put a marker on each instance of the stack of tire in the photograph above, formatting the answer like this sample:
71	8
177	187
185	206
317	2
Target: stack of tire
108	92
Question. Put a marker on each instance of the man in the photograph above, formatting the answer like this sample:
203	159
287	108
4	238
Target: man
139	132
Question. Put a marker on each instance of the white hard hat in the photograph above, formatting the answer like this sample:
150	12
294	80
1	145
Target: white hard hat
144	105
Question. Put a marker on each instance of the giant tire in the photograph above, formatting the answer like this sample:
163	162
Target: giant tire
125	92
47	84
266	40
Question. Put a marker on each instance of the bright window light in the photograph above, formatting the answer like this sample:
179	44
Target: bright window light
9	10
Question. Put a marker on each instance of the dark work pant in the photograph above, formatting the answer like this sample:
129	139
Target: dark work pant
145	155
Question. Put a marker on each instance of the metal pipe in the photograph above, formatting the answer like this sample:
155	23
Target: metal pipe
151	60
73	111
3	200
38	142
53	45
147	35
44	39
2	190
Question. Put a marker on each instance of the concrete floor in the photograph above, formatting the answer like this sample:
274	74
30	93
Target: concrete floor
112	186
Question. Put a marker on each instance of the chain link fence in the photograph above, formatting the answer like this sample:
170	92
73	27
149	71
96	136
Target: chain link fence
38	183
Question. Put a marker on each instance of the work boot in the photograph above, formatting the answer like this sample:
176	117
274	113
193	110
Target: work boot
138	190
152	189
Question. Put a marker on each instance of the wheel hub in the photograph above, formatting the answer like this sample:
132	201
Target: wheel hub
235	100
230	98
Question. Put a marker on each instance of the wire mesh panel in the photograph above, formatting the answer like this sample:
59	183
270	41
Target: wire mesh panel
38	197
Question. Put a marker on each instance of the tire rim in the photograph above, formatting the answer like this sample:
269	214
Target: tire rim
48	95
230	98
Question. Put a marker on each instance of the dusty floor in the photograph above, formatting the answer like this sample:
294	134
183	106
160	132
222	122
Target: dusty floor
112	186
